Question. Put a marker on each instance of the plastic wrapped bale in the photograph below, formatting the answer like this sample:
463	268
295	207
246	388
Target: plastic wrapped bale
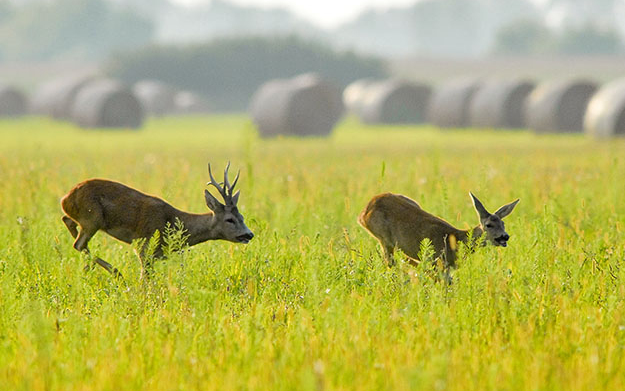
156	97
395	102
500	104
55	98
559	106
187	102
354	95
107	104
13	103
605	116
450	103
303	106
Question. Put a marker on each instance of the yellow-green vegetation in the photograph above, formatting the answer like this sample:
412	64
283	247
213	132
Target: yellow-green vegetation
309	303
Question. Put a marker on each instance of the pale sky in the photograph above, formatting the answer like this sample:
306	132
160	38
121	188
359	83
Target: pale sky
325	13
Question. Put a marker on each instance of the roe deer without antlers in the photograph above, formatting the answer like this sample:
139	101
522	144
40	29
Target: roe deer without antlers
397	221
127	214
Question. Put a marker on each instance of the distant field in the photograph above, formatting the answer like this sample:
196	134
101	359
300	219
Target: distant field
436	70
309	304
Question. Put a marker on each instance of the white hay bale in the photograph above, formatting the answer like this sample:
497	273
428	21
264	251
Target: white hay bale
559	106
106	103
305	105
13	103
395	102
157	98
500	104
605	115
450	103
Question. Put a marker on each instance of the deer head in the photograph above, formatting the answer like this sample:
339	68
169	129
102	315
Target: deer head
492	224
229	221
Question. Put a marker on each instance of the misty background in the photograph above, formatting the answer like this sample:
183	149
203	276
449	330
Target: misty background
224	51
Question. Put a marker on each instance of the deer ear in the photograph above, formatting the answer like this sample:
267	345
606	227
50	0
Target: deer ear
506	209
212	202
235	197
481	210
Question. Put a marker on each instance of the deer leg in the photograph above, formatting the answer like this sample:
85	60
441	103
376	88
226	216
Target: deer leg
108	267
83	238
441	271
101	262
89	265
81	244
388	251
71	225
449	256
412	262
147	267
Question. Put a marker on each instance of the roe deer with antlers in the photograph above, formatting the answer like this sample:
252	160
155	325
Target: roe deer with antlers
127	214
397	221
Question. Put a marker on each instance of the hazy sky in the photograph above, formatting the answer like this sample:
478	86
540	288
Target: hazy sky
326	13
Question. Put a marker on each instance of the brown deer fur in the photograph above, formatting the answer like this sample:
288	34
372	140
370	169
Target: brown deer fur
127	215
397	221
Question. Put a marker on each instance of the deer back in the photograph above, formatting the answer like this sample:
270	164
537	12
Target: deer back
401	222
123	212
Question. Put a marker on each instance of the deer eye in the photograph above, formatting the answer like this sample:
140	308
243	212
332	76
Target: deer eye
489	225
230	220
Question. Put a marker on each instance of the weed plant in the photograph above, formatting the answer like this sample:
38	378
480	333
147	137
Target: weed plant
309	304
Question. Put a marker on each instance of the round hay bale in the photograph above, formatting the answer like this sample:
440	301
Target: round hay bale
302	106
13	103
106	103
270	107
187	102
500	104
450	102
605	116
395	102
559	106
156	97
354	95
55	98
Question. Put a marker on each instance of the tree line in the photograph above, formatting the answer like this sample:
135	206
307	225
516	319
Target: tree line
228	71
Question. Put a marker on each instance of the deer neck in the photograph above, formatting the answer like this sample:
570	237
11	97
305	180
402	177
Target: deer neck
199	227
463	235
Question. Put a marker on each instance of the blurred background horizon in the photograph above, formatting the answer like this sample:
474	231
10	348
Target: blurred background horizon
395	28
325	14
225	42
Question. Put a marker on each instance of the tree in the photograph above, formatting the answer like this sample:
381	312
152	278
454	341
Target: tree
580	13
522	38
75	28
589	39
465	27
229	70
5	11
528	37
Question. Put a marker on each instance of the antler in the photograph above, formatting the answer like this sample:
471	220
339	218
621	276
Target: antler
230	188
216	184
227	189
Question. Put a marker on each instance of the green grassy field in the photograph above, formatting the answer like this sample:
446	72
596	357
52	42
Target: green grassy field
309	304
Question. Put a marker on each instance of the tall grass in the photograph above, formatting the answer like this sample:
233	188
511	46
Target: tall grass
309	303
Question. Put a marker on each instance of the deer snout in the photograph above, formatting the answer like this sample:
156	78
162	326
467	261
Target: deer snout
246	237
503	240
